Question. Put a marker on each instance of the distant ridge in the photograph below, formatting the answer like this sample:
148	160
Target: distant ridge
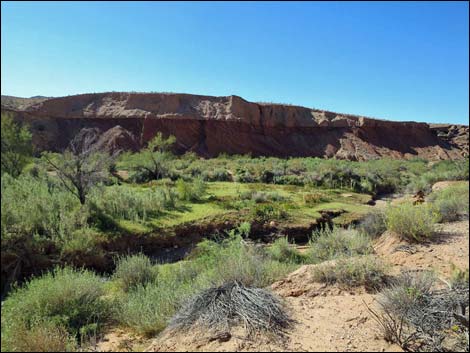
209	125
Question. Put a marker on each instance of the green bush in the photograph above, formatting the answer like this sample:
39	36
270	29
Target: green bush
147	308
452	202
373	224
69	299
132	271
268	212
131	203
17	148
366	271
41	337
36	206
281	250
191	191
413	222
336	243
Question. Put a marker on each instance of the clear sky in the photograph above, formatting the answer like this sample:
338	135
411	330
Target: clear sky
399	61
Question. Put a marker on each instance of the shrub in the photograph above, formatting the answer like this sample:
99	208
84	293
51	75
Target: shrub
414	223
368	271
34	206
220	308
147	308
314	198
268	212
134	270
281	250
420	318
42	337
373	224
452	202
336	243
131	203
17	149
191	191
83	248
70	299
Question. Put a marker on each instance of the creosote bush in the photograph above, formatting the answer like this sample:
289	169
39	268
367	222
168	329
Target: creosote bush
412	222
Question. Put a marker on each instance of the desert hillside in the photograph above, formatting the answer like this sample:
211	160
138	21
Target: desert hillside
210	125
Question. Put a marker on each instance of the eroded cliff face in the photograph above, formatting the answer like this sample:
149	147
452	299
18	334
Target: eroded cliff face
212	125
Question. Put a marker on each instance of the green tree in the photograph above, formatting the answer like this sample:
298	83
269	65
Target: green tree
16	146
154	160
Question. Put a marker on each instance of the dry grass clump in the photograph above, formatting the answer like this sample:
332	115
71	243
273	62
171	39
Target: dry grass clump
420	318
220	308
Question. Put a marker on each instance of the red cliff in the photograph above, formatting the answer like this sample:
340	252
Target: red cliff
211	125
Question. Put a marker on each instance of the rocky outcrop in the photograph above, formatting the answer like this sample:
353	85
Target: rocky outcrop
455	135
212	125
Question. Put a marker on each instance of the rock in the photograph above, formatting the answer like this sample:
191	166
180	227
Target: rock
212	125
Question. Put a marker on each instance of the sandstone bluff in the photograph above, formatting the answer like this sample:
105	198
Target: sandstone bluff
210	125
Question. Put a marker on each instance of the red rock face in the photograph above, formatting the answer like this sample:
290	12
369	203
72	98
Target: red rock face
213	125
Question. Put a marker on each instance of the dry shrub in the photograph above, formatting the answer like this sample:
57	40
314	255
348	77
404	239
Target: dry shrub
220	308
420	318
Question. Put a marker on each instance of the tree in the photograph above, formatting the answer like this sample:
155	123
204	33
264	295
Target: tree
154	160
16	146
81	166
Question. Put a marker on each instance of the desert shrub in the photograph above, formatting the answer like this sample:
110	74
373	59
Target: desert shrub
147	308
83	248
133	270
152	162
452	202
313	198
373	224
219	308
191	191
368	271
459	277
268	212
260	196
332	244
281	250
244	176
125	202
17	149
217	174
41	337
232	259
420	318
35	206
70	299
413	222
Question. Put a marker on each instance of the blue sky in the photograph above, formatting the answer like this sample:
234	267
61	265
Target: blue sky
399	61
